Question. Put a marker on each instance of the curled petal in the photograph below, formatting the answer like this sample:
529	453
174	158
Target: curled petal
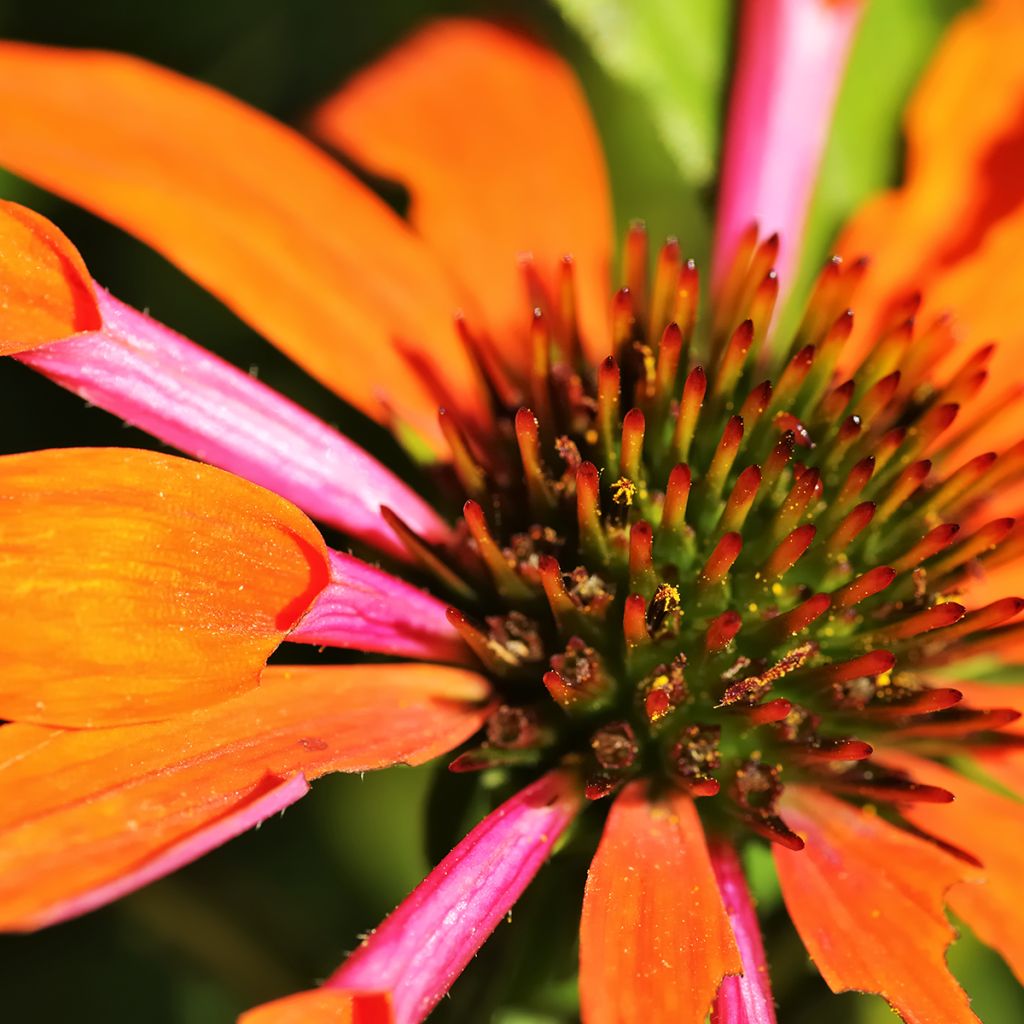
867	899
746	999
494	139
423	946
792	55
287	238
45	290
159	381
134	585
88	815
655	940
367	609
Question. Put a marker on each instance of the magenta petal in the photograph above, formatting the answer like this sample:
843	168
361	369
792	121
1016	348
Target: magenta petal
423	946
366	609
175	390
276	797
791	59
746	999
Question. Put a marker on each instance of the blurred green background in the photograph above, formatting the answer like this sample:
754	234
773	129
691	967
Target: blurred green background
276	910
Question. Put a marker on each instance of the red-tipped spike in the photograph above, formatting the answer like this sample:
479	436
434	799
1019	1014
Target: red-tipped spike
667	368
874	581
835	403
755	404
741	499
634	621
799	618
803	491
855	483
721	560
771	711
609	382
850	527
588	512
635	267
777	461
930	544
568	331
673	512
877	397
633	425
558	597
994	614
762	305
926	702
734	355
687	298
875	663
689	411
542	497
936	617
725	455
703	787
721	631
623	319
540	369
642	577
467	469
989	537
790	550
509	584
665	277
793	377
833	750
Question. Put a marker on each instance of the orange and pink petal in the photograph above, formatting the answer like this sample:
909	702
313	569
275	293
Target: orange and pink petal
265	220
88	815
655	939
136	585
426	942
747	998
155	379
493	137
366	609
323	1006
867	900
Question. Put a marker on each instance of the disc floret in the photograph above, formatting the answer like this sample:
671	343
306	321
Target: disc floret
716	565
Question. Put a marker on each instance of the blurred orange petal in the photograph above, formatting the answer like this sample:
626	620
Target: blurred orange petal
86	813
655	940
287	238
137	585
955	229
493	136
45	290
867	900
323	1006
991	827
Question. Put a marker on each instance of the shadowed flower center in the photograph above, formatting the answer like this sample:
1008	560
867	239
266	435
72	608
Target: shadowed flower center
720	565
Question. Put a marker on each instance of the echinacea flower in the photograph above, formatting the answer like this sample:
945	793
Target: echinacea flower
706	581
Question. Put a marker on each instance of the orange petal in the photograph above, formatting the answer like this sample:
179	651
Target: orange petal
655	940
323	1006
83	809
288	239
866	899
137	585
494	139
992	828
955	230
45	291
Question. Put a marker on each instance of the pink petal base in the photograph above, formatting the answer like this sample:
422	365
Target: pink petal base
165	384
746	999
274	797
367	609
423	946
791	60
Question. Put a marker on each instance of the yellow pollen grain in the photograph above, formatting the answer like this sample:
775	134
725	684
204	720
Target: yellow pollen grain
885	679
777	589
751	607
623	491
